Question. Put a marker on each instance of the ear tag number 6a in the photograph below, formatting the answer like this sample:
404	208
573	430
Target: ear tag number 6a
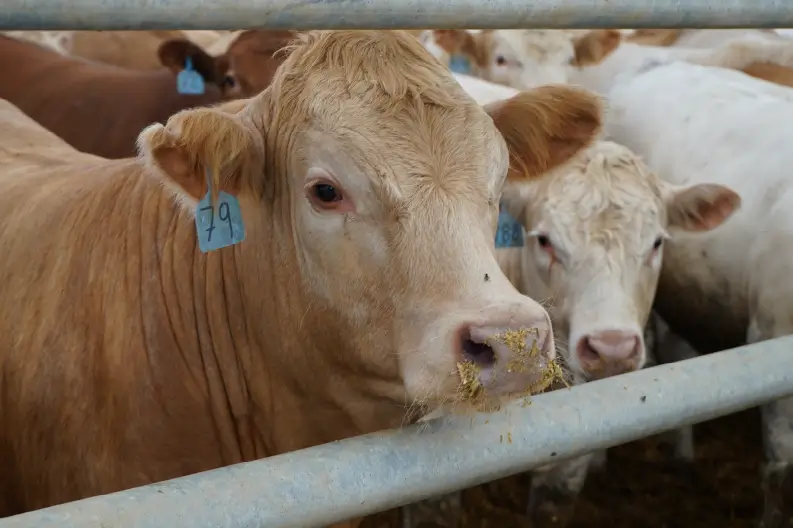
189	81
220	225
509	232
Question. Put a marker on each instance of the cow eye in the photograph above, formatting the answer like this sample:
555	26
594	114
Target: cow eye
544	241
657	244
501	60
326	192
229	81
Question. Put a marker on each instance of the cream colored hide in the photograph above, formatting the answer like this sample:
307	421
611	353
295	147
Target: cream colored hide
596	228
731	286
594	59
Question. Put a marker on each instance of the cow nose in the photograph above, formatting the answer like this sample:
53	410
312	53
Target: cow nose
480	354
609	353
509	358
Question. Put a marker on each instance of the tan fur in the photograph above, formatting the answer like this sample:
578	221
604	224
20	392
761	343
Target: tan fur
570	124
595	46
654	37
770	72
129	357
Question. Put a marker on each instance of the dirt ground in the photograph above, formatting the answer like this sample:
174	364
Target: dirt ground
643	488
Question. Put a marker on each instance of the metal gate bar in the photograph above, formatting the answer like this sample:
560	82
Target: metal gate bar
406	14
375	472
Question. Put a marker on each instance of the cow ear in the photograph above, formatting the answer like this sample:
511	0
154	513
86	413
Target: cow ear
700	207
174	53
595	46
196	143
546	126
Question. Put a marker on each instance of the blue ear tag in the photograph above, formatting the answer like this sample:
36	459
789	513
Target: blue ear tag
221	225
189	81
509	232
459	64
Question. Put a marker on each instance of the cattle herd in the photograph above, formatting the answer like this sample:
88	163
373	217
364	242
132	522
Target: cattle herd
193	221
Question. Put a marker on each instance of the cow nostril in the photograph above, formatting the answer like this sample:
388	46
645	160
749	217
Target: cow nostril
479	354
587	351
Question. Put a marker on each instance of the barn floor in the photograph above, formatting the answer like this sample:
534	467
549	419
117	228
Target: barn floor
642	488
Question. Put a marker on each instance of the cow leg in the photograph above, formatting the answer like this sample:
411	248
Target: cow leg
778	471
598	460
554	491
665	346
445	511
777	423
353	523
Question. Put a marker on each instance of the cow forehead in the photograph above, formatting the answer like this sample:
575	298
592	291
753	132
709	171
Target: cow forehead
385	96
606	190
539	43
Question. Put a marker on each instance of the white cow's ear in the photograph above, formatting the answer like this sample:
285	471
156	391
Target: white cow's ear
546	126
700	207
596	45
207	142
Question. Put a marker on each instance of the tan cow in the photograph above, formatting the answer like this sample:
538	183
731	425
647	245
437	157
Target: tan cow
368	185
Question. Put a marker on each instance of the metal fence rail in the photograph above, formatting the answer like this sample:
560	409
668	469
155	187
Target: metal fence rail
367	474
407	14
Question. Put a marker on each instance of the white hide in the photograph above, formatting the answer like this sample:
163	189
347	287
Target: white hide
709	38
694	124
483	92
629	58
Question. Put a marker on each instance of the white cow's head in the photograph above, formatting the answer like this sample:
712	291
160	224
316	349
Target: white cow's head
596	229
523	58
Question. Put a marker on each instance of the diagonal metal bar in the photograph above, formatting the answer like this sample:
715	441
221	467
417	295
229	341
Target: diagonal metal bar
375	472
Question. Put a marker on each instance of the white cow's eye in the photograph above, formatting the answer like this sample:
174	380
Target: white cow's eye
658	243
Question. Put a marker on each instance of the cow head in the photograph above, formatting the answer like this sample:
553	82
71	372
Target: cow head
367	170
243	70
596	233
525	58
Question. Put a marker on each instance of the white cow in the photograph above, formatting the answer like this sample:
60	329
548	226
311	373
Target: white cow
593	59
596	228
729	286
697	38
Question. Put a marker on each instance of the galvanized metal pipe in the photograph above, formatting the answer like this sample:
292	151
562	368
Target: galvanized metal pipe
407	14
371	473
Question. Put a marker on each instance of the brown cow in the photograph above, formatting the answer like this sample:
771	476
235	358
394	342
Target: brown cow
101	109
132	49
368	182
128	49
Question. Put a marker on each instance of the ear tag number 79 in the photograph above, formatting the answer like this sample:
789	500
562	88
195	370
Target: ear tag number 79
220	225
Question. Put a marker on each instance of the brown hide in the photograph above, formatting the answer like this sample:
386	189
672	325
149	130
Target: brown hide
100	109
96	108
